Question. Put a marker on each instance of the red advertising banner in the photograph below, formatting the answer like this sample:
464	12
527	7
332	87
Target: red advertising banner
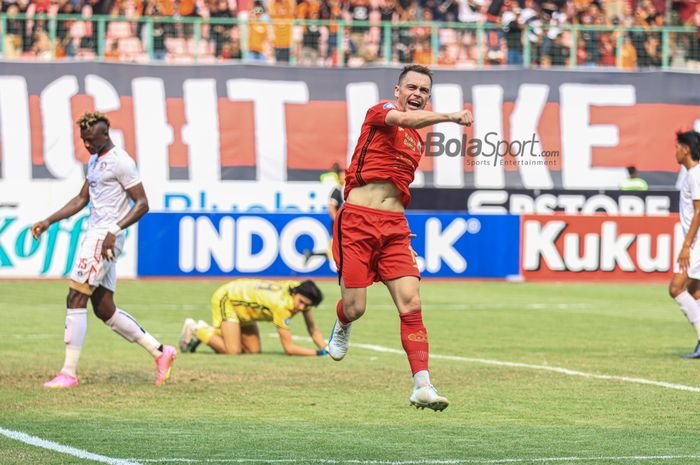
561	247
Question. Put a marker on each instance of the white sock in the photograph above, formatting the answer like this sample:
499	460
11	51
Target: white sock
74	335
421	379
126	326
696	324
689	306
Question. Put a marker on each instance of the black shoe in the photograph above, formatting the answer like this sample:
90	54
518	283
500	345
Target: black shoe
695	354
192	346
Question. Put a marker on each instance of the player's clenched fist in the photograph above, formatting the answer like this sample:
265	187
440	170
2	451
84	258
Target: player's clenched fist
38	228
463	117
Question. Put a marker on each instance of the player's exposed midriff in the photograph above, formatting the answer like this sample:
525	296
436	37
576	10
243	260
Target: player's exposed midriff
380	195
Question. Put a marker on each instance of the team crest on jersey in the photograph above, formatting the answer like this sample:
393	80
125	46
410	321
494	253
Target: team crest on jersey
389	106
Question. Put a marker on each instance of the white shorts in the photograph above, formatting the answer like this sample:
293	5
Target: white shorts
89	266
694	268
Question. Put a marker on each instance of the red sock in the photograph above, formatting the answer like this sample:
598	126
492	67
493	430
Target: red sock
414	339
341	316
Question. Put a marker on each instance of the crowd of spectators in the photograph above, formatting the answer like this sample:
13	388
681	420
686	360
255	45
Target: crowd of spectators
511	27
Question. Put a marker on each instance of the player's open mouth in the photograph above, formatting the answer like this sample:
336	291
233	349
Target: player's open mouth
414	104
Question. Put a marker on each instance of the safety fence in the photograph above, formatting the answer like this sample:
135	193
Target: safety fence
340	43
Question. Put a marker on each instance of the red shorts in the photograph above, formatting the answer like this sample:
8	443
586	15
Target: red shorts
372	245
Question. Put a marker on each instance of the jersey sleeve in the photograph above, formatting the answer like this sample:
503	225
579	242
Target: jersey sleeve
281	320
376	115
281	314
127	173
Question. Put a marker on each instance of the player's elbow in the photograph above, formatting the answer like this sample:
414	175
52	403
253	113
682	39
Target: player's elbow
287	347
142	207
83	201
288	351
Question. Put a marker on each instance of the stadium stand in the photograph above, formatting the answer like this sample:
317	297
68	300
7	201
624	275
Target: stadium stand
626	34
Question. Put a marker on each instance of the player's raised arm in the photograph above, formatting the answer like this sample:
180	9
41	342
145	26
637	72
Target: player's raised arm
418	119
73	206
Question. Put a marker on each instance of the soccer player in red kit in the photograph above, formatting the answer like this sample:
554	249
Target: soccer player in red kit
371	239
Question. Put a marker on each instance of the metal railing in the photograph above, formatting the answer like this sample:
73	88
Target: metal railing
340	43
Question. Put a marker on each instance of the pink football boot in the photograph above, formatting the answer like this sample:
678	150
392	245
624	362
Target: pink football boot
62	380
164	363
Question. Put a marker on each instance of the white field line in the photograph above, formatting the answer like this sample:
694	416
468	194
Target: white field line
560	370
56	447
431	462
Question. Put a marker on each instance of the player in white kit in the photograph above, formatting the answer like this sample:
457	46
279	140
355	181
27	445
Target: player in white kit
685	284
112	183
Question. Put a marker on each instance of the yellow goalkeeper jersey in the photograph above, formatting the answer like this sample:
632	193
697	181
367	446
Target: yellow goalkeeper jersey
256	300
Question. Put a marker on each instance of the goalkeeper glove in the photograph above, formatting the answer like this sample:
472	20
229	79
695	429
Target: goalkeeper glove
321	352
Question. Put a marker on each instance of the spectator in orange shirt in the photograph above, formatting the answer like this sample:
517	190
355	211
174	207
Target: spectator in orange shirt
282	14
628	55
423	54
257	35
113	53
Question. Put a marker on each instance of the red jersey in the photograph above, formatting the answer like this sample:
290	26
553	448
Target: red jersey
384	153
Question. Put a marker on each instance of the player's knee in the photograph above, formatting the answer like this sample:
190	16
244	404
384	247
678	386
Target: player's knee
76	299
232	350
103	313
675	289
103	305
353	310
410	304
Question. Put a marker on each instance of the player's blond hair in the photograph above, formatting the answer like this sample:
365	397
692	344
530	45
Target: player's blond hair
89	119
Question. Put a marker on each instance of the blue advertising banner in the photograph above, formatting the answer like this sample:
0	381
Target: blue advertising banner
218	244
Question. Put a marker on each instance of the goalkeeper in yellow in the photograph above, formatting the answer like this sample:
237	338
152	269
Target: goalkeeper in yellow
237	306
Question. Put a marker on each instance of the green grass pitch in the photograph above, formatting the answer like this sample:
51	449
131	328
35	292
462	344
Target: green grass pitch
271	408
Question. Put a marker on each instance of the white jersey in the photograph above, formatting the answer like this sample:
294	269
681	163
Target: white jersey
109	176
690	190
